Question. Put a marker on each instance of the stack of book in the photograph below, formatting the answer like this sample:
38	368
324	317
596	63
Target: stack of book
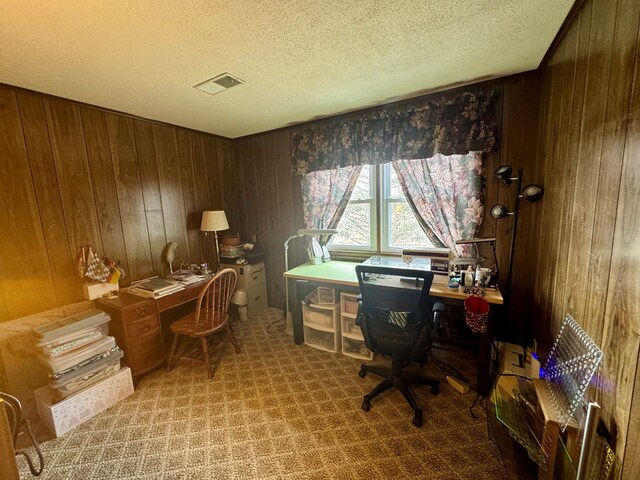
156	288
77	351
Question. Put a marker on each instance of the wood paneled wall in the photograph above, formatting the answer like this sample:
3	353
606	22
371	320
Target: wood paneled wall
579	249
73	175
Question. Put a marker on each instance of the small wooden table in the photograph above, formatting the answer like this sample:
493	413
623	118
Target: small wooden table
342	276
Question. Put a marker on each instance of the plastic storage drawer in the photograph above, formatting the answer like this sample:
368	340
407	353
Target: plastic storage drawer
321	317
356	349
328	341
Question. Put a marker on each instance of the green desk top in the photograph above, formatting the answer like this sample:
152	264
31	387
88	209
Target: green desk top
343	273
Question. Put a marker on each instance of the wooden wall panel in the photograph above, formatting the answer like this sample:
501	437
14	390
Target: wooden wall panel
73	175
128	195
25	278
173	208
96	139
587	230
72	168
150	193
45	181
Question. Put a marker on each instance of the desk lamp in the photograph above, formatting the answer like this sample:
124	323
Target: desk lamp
214	221
300	233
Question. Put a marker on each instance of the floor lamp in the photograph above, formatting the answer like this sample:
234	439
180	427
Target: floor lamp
214	221
300	233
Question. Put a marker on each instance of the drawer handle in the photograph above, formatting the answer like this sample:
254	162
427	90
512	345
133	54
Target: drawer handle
140	311
146	326
257	298
255	275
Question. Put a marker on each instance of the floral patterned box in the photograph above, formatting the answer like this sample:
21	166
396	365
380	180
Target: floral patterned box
67	414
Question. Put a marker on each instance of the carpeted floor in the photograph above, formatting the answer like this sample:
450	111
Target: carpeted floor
276	410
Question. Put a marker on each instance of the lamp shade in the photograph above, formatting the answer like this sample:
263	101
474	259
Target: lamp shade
240	297
214	221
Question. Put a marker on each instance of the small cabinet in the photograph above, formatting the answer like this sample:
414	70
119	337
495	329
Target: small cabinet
135	324
252	280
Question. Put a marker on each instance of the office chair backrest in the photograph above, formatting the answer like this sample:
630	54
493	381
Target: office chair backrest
395	315
213	300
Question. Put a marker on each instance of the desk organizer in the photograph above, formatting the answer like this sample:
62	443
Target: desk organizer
321	323
353	344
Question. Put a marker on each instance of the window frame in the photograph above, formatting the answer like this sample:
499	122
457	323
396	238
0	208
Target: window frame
380	205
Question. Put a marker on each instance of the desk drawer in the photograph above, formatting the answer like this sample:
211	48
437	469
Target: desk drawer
143	326
257	299
138	311
178	298
145	352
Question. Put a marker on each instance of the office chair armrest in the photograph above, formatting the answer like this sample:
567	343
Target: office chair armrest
359	312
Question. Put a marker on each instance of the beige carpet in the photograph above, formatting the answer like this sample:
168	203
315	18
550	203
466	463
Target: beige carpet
276	410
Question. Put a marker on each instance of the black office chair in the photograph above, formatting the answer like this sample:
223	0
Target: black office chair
396	315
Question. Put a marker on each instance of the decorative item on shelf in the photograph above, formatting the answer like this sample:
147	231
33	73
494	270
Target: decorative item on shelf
326	232
214	221
101	275
169	254
532	193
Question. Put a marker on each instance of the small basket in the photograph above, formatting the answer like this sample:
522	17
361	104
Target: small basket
476	313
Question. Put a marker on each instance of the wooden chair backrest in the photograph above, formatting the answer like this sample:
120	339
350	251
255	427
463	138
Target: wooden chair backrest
213	300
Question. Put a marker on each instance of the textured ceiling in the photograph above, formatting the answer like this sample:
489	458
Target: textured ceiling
301	59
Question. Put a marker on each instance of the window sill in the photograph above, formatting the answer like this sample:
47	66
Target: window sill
357	255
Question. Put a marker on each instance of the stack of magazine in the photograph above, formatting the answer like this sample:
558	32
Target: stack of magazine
77	351
156	288
187	277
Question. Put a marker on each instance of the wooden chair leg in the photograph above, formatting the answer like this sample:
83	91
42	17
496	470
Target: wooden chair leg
171	360
232	338
205	353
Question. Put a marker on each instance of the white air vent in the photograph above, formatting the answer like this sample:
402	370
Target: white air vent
218	84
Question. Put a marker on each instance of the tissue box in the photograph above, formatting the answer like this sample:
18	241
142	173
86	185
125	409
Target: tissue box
79	407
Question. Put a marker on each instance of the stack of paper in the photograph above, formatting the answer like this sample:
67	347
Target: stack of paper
186	277
156	288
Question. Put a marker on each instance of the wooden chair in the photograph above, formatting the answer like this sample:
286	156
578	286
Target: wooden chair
209	317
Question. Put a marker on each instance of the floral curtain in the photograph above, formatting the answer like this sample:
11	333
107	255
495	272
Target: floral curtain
455	123
325	195
445	194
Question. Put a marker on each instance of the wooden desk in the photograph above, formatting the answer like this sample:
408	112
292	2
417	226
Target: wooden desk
135	324
342	276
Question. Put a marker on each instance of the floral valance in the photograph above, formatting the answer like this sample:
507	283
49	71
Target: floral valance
453	124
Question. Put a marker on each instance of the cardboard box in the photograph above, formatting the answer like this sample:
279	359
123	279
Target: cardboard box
79	407
91	291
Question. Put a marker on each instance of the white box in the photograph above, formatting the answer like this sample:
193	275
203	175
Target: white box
91	291
79	407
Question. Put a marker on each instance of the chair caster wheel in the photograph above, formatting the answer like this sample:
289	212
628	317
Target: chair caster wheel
417	419
362	373
366	404
435	389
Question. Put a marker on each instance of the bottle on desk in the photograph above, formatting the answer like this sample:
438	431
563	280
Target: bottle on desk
468	277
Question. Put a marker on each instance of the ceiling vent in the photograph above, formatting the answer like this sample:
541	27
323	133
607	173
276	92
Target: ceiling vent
218	84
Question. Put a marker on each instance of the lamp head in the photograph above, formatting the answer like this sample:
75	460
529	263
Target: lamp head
500	211
532	192
503	173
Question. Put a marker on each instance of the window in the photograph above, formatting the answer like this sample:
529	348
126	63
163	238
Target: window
378	201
